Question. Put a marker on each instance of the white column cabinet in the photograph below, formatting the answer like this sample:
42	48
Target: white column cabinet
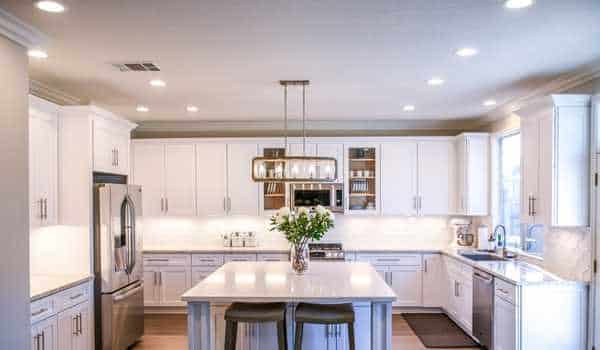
242	191
211	179
472	154
43	164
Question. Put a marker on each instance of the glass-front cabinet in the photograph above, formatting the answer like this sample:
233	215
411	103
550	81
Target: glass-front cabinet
273	193
362	187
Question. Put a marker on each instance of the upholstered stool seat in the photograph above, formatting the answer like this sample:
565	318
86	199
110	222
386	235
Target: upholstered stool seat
255	313
324	314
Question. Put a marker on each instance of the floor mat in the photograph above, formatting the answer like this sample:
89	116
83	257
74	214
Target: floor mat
439	331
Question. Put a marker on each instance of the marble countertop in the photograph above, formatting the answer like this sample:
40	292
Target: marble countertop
275	281
215	248
43	285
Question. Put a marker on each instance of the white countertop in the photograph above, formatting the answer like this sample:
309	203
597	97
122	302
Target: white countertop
44	285
275	281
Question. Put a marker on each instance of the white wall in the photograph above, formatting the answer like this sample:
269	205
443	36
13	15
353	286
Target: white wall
59	250
14	187
353	232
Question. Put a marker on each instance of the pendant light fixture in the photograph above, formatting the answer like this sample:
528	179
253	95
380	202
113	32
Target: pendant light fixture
294	168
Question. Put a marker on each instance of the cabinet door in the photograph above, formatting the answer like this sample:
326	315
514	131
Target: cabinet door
83	341
407	283
334	151
435	177
104	153
200	273
180	180
47	331
296	149
68	329
174	281
434	286
399	178
151	290
121	144
148	172
505	317
211	174
477	174
465	303
43	171
242	190
529	166
461	175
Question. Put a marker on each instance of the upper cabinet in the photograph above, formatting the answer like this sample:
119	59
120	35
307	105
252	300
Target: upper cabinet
362	179
111	146
417	177
242	191
472	162
211	178
43	163
556	161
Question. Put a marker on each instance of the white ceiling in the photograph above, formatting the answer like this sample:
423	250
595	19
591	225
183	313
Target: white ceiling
365	59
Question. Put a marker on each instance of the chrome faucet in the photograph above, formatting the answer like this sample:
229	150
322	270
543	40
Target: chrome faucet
496	229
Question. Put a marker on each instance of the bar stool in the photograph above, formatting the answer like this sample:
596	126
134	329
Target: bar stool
255	313
324	314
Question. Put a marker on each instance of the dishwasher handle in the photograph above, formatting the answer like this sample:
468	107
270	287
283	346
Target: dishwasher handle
485	278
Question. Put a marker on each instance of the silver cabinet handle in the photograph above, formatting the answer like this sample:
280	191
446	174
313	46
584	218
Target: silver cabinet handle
160	278
228	203
117	151
43	340
158	259
529	205
533	213
80	324
37	341
225	204
73	297
425	265
166	205
41	208
46	208
39	312
154	275
415	202
74	325
419	201
162	204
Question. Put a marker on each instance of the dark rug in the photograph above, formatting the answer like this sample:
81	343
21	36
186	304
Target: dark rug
439	331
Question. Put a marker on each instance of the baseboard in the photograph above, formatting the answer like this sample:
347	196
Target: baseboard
149	310
412	310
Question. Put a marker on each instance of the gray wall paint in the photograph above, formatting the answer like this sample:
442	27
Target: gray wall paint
14	189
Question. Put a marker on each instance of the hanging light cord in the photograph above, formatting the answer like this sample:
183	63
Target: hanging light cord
285	113
304	119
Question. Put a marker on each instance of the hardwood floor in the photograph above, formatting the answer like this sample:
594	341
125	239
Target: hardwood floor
168	332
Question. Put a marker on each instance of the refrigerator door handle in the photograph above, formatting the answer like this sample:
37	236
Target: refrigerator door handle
128	231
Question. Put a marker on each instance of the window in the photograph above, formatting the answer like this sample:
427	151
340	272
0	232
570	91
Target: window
509	187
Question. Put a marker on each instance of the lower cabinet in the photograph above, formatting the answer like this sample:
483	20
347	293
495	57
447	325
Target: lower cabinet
460	293
505	325
164	285
433	281
73	334
44	334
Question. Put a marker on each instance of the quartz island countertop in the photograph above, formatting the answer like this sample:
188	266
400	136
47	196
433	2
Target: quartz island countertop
275	281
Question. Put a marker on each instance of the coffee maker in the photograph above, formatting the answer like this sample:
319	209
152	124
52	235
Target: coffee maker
461	231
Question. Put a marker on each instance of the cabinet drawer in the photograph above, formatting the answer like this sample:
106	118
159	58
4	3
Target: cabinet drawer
43	308
273	257
207	260
506	291
240	257
72	296
391	259
167	260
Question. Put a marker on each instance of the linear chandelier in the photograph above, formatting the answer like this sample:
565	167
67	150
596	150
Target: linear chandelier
294	168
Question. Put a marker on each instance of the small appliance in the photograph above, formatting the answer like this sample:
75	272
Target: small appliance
461	230
310	195
326	251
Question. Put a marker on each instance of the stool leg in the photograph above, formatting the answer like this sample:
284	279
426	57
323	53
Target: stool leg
230	335
351	335
299	329
281	336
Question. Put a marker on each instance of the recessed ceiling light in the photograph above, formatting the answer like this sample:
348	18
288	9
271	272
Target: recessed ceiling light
192	109
142	109
408	108
435	81
517	4
50	6
466	52
489	103
37	53
157	83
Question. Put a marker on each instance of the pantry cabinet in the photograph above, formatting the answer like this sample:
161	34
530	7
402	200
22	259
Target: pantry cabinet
472	162
43	163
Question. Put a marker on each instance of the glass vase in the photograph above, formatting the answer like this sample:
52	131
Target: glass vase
299	258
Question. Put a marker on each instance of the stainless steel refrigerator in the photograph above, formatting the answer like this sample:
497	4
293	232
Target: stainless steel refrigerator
118	267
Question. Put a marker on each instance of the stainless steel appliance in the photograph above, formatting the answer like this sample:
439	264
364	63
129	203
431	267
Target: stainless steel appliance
118	285
326	251
483	307
329	195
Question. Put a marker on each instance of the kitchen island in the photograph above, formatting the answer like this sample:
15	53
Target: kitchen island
325	282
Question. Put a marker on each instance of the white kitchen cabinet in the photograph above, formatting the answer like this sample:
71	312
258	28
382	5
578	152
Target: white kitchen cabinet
111	146
151	286
166	173
43	163
180	180
333	150
297	149
434	286
399	178
362	179
555	133
436	177
505	325
73	330
460	293
417	177
472	154
174	281
211	174
166	278
44	334
242	191
199	273
273	257
407	282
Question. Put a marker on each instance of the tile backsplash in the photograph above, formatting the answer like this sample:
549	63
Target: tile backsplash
356	231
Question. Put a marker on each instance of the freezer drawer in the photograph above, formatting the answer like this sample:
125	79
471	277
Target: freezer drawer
122	317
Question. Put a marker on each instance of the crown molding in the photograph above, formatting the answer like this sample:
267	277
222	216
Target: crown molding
19	31
561	84
48	93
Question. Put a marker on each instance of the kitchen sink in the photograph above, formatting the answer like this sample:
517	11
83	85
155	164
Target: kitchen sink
482	257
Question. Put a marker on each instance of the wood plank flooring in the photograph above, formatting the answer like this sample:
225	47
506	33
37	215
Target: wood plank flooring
168	332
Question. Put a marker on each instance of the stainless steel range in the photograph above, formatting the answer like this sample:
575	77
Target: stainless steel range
326	251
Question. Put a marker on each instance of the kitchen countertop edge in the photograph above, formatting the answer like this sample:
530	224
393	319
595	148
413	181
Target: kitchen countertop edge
62	287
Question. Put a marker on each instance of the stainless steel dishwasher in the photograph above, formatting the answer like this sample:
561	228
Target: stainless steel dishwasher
483	307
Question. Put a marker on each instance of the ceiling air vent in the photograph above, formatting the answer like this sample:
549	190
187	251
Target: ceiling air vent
137	67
